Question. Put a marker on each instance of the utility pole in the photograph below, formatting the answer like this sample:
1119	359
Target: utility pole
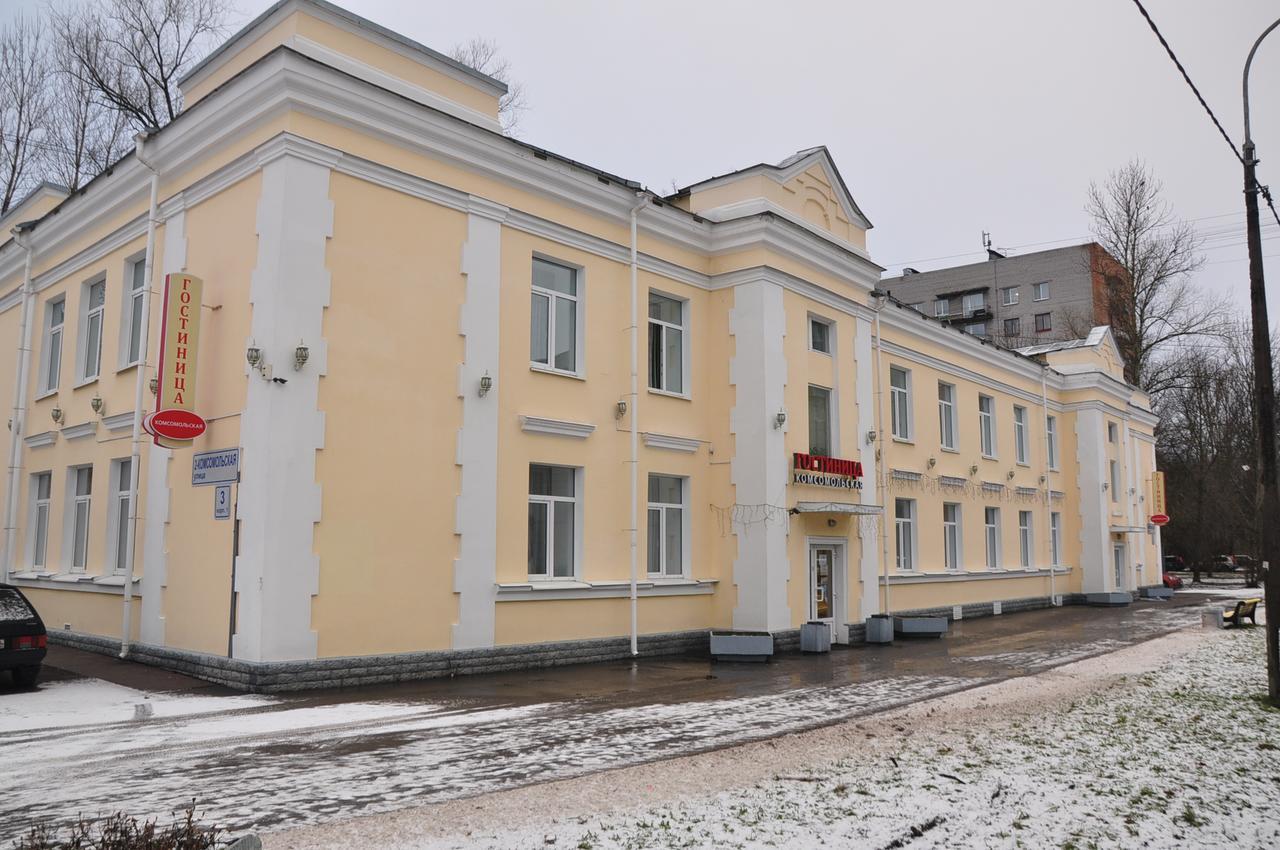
1264	388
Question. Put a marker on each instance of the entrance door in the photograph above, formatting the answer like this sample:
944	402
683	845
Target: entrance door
822	583
1117	555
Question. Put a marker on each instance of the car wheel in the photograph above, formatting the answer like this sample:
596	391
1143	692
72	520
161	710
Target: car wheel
25	677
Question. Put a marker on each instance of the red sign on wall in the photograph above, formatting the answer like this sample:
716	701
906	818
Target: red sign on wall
176	424
1160	519
826	471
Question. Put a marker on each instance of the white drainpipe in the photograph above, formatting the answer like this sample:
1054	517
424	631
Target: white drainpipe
635	432
1048	499
139	390
883	466
17	424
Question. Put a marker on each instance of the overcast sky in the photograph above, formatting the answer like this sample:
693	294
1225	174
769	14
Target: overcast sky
946	119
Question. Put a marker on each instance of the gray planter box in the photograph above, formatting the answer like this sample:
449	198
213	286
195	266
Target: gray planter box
815	637
1157	593
1115	599
741	646
879	629
920	626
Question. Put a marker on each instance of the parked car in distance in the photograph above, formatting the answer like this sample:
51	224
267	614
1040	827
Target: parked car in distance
23	639
1174	562
1172	582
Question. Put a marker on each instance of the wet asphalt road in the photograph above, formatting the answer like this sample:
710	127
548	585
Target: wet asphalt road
338	754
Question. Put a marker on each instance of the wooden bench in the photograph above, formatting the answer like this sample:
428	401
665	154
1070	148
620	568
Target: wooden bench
1245	608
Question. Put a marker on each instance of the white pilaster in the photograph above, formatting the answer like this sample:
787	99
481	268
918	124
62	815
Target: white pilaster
869	559
277	570
758	372
476	523
1095	525
155	512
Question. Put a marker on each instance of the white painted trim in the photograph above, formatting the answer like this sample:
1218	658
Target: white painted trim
44	438
118	422
84	429
672	443
556	427
77	582
865	421
982	575
539	591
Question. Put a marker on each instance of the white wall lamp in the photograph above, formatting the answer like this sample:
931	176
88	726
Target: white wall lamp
56	415
620	410
1010	475
301	354
973	470
779	419
154	383
871	437
254	357
97	404
933	461
486	384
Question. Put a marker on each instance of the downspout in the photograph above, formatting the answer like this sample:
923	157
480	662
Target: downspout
139	388
17	424
881	466
1048	497
635	432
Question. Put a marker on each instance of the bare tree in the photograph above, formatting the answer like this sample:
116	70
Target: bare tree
131	53
1152	304
86	135
483	55
24	96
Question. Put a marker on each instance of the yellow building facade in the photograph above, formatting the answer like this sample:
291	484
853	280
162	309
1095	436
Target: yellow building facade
491	385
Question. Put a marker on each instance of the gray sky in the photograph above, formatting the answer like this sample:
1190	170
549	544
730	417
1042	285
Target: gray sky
946	119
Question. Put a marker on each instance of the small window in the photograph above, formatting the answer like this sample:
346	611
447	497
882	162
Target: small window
1009	296
1040	291
121	470
41	487
819	335
947	415
95	296
987	425
553	331
1051	425
820	421
51	357
1113	432
1115	481
552	521
991	519
951	535
131	316
666	343
1026	545
974	302
1044	322
941	307
977	329
1012	327
900	402
1055	538
82	497
1020	434
666	525
904	513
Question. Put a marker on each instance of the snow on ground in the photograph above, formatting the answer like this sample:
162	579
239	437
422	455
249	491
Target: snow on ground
85	702
1183	756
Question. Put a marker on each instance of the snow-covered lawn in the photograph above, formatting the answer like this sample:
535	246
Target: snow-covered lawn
92	702
1184	756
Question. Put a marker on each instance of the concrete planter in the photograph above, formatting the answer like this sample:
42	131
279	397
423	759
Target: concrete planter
741	646
879	629
1115	599
815	637
920	626
1157	593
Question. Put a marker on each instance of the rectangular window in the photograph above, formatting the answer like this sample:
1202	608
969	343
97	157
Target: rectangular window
552	521
974	302
1113	433
82	490
1025	542
904	519
92	303
1020	434
1040	291
666	525
553	331
51	359
1055	538
991	520
41	487
132	314
666	343
947	415
819	335
1009	296
1115	481
987	425
951	535
820	421
1051	425
1043	323
120	509
1012	327
941	307
977	329
900	402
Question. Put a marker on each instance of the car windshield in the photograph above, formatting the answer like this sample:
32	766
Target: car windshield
13	606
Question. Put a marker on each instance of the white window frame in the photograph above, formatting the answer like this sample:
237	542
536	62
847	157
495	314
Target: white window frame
1051	428
1026	538
578	301
1017	326
118	513
906	548
1055	538
1113	480
1021	449
74	532
952	537
941	307
1113	432
1040	291
89	315
36	545
987	426
131	300
969	299
830	328
550	501
51	346
991	536
901	425
1009	296
832	430
683	327
948	425
663	510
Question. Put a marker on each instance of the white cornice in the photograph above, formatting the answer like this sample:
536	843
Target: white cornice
556	427
84	429
667	441
119	422
44	438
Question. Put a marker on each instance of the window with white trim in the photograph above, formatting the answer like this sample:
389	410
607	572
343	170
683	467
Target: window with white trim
942	307
666	525
41	491
974	302
820	421
900	402
1051	426
92	303
1115	481
1044	322
947	415
991	524
1009	296
1055	538
554	319
1040	291
131	315
951	548
553	520
81	502
1026	542
904	521
987	425
55	313
819	335
666	343
1020	448
119	520
1012	327
1113	433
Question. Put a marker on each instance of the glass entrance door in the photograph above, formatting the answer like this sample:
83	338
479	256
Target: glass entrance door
822	561
1117	554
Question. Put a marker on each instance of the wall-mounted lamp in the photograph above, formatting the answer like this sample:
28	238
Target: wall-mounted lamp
620	410
933	461
486	384
56	415
253	355
831	523
1010	475
973	470
154	383
96	404
779	419
1043	478
301	354
871	437
1105	486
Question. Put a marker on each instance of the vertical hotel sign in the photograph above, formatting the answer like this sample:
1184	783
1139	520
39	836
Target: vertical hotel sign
175	423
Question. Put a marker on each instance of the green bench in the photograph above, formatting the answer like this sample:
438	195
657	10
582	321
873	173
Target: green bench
1245	609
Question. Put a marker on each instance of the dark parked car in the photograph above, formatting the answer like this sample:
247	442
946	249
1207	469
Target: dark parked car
1174	562
22	637
1172	582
